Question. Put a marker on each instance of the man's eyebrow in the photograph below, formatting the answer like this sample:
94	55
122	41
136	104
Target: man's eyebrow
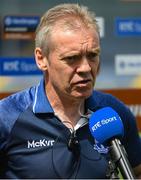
77	53
73	53
95	50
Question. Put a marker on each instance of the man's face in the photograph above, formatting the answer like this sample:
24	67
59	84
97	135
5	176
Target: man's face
73	62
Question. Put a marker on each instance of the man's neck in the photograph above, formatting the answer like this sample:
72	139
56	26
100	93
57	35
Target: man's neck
69	116
68	110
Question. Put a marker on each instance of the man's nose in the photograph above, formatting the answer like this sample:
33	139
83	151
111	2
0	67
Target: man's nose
84	65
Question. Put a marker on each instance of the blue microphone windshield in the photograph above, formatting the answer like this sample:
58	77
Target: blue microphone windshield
105	124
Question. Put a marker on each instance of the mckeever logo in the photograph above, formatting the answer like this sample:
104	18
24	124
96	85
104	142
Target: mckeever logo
40	143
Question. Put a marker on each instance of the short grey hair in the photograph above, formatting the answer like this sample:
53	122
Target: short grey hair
65	13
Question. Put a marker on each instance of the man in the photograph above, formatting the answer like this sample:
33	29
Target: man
43	132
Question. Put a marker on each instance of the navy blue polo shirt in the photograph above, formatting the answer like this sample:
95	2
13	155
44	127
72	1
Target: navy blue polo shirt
34	142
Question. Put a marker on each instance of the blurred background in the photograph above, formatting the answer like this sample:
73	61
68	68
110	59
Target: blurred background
120	31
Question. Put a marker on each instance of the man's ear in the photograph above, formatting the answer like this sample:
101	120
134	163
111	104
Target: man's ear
41	60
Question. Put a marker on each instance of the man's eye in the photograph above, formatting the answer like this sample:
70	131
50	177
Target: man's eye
71	59
92	56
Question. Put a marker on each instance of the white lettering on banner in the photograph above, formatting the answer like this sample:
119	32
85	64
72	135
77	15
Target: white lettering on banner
16	29
25	67
135	109
20	20
11	66
128	64
40	143
103	122
126	26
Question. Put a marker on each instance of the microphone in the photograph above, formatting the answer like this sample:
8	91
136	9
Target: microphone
107	128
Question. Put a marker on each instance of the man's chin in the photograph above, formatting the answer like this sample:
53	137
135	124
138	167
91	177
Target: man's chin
83	95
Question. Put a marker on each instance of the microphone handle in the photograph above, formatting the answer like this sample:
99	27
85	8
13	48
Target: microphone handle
119	156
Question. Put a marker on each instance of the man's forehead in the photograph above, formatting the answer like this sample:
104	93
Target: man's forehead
83	36
72	23
74	40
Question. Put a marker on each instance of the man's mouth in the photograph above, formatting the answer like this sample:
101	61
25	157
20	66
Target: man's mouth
84	82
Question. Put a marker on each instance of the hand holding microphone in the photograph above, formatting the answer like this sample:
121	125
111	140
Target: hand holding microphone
107	128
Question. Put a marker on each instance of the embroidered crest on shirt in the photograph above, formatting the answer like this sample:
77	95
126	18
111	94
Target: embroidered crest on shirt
100	148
